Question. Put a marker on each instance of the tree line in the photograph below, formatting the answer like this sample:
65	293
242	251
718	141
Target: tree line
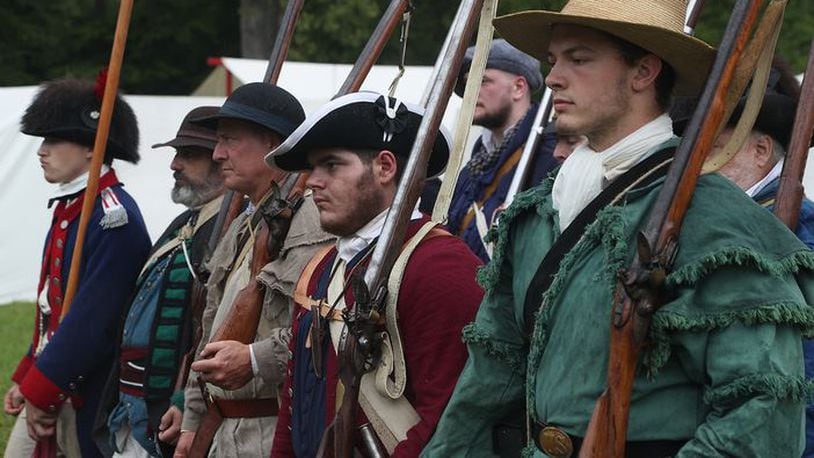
170	40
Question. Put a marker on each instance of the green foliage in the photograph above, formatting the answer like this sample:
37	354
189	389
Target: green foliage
18	322
169	40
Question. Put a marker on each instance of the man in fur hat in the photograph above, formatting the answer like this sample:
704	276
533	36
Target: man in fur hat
158	322
58	382
242	380
356	154
506	113
722	373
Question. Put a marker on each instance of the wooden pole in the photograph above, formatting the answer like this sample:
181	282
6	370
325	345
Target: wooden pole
99	147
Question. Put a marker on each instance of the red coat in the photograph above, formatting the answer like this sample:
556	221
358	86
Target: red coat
438	296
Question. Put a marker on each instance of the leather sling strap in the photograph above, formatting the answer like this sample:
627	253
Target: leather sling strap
645	172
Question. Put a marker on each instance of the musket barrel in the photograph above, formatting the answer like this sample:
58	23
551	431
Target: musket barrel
790	192
373	49
283	41
395	226
704	125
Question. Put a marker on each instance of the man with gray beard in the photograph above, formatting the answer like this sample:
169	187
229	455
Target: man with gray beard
157	327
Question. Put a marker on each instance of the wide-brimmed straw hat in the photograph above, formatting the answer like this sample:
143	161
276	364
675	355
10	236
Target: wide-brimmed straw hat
654	25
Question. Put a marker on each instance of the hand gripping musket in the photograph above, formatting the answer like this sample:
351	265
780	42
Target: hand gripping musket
790	192
47	447
358	351
241	322
638	293
231	205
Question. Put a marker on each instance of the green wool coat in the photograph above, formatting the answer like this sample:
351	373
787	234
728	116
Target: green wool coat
724	368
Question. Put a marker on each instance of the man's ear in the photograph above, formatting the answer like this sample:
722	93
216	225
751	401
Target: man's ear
764	150
520	87
384	167
645	72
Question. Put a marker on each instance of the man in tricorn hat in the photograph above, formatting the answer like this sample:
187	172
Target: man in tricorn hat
242	380
58	382
722	373
356	148
506	112
157	325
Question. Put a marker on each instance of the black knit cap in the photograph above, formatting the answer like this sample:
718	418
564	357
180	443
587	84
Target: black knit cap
263	104
69	109
362	120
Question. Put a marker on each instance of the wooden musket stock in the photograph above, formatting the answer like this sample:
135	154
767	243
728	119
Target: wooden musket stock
790	192
637	294
360	344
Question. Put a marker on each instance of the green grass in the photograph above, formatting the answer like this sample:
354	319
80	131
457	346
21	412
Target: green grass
16	324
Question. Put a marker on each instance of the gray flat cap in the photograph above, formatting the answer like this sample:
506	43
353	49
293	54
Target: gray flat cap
503	56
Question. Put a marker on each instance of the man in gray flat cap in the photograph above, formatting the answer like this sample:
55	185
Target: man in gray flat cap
506	112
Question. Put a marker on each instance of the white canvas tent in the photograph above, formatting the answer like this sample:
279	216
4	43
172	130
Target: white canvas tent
24	193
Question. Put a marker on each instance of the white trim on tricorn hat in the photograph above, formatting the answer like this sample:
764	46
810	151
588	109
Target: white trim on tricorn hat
361	120
654	25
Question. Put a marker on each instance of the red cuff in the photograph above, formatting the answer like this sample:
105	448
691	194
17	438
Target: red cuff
41	391
22	368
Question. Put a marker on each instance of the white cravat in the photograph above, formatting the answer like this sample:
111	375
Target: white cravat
77	184
348	247
773	173
586	172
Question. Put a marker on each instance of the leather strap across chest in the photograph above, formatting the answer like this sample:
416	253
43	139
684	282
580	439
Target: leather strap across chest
648	171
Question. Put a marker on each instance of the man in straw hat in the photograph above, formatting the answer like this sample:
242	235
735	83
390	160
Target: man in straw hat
722	374
140	386
506	112
57	384
242	380
357	147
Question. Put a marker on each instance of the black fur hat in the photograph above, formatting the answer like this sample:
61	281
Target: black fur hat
69	109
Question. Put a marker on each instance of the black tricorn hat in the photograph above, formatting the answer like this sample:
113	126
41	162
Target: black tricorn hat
263	104
362	120
69	109
192	134
775	118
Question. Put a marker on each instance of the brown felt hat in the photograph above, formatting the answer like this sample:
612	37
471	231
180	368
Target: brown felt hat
654	25
191	134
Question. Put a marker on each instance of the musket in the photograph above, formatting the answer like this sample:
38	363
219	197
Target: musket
483	44
639	288
232	204
693	14
790	191
358	350
241	322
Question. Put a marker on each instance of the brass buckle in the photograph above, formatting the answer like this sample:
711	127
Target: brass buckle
555	442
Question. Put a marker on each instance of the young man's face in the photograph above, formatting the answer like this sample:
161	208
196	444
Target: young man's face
197	176
346	191
590	81
240	151
63	161
495	99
